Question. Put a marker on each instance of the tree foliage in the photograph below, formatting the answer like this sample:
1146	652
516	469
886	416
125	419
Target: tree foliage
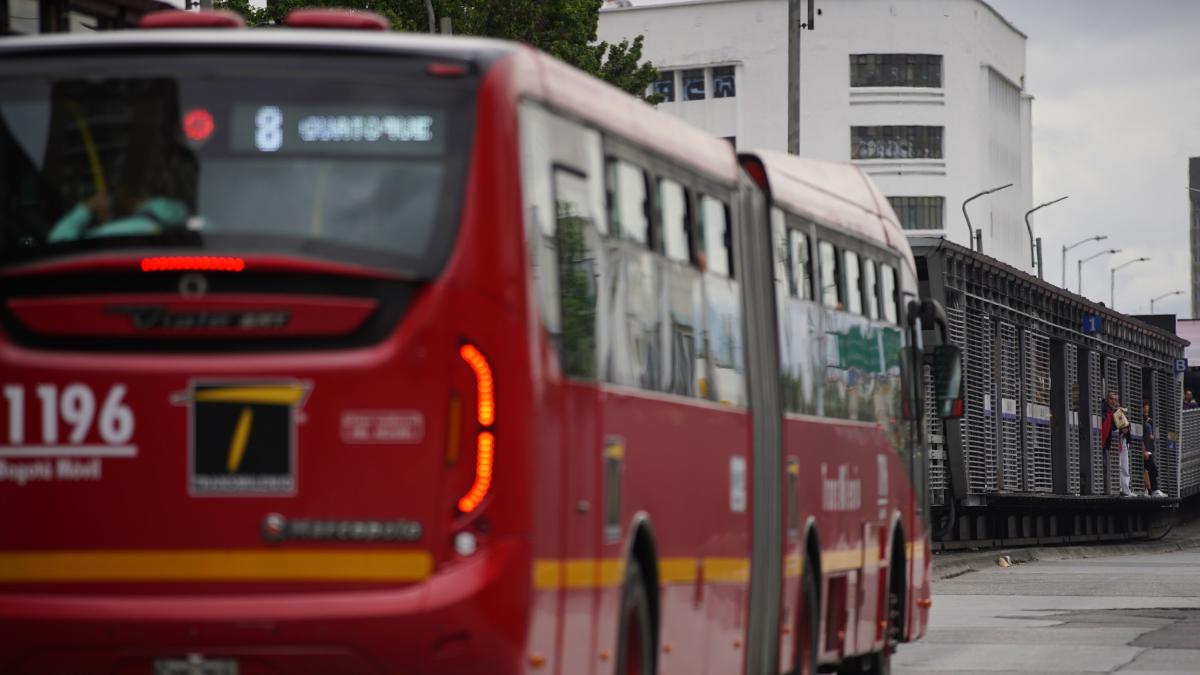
562	28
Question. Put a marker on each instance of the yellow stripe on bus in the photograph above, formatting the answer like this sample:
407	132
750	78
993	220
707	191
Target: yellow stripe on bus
214	565
280	394
841	561
579	573
726	569
677	571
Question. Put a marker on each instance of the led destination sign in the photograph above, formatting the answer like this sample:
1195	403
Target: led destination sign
366	130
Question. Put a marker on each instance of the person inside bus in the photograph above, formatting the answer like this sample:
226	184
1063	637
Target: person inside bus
1116	429
119	215
1149	443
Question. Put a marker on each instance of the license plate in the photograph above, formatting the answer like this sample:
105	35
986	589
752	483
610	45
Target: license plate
195	665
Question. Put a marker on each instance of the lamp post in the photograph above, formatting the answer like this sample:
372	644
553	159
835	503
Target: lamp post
1098	237
429	12
971	232
1079	280
1035	250
1164	295
1112	280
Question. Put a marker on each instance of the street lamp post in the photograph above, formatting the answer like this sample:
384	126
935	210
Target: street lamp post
1164	295
1098	237
1035	250
429	12
970	231
1079	280
1112	280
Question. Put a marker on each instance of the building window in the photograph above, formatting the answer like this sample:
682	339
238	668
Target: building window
896	142
919	213
665	85
693	85
895	70
724	82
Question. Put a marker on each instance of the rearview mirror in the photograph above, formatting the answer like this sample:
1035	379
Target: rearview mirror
947	377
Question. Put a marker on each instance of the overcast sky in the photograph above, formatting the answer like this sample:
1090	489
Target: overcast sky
1116	114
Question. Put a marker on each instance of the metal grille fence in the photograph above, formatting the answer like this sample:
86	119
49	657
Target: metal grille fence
1189	453
1095	479
1131	400
937	443
1071	354
979	424
1010	393
1039	475
1165	411
938	466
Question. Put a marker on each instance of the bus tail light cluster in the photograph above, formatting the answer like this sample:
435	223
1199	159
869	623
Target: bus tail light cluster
485	440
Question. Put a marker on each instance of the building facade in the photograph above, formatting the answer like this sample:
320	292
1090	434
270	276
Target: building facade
927	96
25	17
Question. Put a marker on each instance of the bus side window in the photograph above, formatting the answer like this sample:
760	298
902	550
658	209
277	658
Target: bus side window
628	202
887	279
854	303
784	281
714	230
676	221
801	265
831	284
871	288
578	266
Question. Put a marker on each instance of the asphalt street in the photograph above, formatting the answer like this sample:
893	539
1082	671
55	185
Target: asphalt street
1131	614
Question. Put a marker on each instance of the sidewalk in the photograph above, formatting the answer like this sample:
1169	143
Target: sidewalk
948	564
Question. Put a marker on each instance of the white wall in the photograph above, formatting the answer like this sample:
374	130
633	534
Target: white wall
984	130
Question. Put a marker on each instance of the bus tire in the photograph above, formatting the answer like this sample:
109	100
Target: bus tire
635	634
808	622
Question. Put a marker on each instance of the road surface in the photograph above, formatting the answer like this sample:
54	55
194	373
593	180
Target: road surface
1134	615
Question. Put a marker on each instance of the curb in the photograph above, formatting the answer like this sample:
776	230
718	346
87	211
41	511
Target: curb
950	565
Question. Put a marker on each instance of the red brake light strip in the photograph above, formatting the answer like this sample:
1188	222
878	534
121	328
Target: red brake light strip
198	263
485	441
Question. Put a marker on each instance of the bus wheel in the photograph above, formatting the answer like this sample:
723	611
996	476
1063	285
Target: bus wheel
635	646
809	623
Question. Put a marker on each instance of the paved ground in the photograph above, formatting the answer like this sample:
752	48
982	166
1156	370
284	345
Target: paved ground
1131	614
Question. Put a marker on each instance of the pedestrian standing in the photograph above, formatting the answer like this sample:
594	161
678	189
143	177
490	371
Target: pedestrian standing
1188	402
1115	429
1149	444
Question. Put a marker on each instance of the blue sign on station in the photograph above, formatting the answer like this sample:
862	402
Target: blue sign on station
1181	366
1091	323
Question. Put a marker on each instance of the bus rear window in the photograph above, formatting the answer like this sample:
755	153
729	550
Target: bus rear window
344	157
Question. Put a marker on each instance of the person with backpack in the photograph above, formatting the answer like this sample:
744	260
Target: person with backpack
1115	428
1149	444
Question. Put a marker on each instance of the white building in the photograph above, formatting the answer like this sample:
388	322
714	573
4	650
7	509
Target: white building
926	95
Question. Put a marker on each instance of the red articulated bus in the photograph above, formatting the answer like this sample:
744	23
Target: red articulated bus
334	351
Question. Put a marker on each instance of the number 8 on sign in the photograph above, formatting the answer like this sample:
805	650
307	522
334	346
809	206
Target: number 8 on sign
268	128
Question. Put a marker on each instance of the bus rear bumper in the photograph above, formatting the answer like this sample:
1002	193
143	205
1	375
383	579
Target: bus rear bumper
468	616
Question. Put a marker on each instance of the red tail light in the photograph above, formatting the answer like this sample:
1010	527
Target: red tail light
757	171
485	442
336	18
175	18
193	263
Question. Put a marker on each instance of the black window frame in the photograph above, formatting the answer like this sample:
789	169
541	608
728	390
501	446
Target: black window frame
729	71
665	76
897	70
919	212
923	141
684	76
